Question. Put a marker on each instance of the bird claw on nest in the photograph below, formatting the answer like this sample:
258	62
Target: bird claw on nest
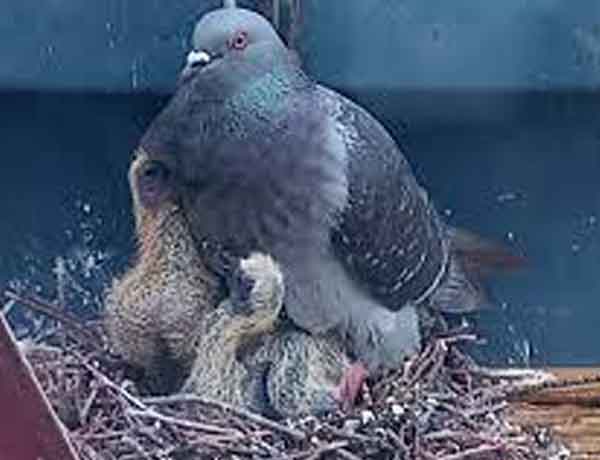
350	386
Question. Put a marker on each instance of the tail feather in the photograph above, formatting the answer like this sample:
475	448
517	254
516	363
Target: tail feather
482	257
473	260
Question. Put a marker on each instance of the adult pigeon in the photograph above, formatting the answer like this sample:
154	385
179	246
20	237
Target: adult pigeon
269	160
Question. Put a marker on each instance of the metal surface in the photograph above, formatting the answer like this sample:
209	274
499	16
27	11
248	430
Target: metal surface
512	44
139	45
108	46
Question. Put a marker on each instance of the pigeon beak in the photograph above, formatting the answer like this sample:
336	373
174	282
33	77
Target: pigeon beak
198	59
195	59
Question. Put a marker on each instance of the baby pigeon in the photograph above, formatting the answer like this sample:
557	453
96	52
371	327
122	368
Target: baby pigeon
154	308
162	317
248	356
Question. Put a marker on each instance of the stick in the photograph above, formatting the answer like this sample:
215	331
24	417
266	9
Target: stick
256	418
211	429
327	448
78	332
475	453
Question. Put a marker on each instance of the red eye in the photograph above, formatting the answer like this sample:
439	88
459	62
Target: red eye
239	41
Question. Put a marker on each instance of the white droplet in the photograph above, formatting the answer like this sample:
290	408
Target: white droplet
367	416
507	196
350	426
397	410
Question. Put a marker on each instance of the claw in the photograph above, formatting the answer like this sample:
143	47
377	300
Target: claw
350	385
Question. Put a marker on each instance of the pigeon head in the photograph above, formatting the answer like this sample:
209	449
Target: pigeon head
230	38
231	109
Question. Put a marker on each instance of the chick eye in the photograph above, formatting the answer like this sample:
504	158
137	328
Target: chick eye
155	172
152	184
239	41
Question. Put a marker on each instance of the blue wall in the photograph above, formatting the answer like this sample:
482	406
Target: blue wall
133	45
461	43
102	46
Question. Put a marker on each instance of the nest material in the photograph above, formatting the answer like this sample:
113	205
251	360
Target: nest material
440	405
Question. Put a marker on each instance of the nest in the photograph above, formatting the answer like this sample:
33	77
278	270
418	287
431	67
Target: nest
440	405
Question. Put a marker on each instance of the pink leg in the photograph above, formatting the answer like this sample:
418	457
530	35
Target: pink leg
350	385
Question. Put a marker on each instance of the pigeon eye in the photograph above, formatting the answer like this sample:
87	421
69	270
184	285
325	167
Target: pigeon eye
239	41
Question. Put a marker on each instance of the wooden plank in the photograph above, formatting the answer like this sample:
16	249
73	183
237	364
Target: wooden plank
570	407
29	428
574	373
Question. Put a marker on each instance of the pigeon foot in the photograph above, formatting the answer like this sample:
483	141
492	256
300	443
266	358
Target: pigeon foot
350	386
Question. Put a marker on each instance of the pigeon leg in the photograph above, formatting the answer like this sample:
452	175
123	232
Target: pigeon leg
350	385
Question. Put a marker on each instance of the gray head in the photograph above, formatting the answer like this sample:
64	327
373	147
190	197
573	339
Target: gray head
232	35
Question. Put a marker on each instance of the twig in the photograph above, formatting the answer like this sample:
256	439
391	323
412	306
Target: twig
347	455
434	357
88	404
211	429
72	324
475	453
448	393
356	438
109	383
256	418
326	448
7	307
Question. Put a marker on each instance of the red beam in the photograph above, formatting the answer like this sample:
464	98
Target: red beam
29	428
